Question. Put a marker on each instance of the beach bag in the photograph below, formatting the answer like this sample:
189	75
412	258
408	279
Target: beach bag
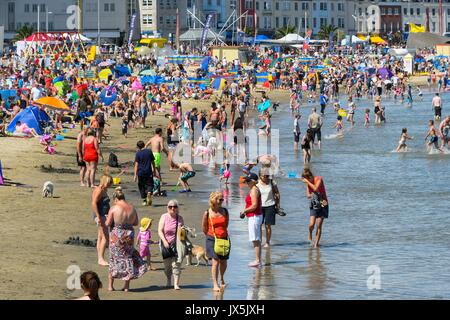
221	246
113	161
317	201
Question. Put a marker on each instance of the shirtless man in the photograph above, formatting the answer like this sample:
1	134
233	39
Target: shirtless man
433	136
80	160
444	128
186	172
156	144
437	106
214	114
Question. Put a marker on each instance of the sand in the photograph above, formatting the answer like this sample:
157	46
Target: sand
35	260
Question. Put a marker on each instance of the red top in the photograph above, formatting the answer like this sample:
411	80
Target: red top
220	226
321	188
90	153
248	203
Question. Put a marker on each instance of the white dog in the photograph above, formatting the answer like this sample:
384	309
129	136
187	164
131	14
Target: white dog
47	190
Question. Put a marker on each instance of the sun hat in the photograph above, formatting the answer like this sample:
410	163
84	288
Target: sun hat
145	223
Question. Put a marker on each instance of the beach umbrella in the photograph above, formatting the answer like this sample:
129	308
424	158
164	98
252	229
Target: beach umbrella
108	95
136	85
104	74
143	51
148	72
53	103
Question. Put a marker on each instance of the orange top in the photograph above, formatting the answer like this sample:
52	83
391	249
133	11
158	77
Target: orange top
220	226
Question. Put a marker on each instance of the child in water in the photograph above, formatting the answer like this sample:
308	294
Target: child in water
339	125
433	136
144	241
351	113
225	172
402	143
367	118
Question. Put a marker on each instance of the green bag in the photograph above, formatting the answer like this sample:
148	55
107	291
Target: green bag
221	246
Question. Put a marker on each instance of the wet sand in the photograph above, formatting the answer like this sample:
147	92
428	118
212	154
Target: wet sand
35	260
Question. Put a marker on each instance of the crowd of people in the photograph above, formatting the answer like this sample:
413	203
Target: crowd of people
320	80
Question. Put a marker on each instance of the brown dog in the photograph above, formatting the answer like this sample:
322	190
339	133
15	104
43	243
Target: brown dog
199	253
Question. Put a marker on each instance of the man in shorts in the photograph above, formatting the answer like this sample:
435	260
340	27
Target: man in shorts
186	172
80	161
144	167
156	144
315	124
437	105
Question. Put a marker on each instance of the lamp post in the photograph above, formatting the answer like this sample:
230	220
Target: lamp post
98	23
46	19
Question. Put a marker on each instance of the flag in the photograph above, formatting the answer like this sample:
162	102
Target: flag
132	25
413	28
206	29
1	174
331	40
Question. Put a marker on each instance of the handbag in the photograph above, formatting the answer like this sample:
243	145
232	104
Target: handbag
318	201
172	250
278	210
221	246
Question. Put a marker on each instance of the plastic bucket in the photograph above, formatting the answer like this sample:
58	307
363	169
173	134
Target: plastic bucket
116	181
59	137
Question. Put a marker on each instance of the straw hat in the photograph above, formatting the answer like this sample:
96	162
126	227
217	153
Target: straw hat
145	223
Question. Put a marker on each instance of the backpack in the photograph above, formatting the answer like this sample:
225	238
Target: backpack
113	161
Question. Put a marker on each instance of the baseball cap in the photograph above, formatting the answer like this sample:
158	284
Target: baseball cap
251	177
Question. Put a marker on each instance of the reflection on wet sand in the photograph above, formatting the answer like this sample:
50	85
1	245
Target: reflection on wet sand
316	274
261	286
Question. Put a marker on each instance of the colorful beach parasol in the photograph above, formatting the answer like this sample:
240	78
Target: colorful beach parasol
53	103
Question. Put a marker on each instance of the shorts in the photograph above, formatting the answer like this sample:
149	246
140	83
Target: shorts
297	137
80	162
317	132
437	111
125	130
157	157
254	227
269	215
185	177
433	139
319	213
209	245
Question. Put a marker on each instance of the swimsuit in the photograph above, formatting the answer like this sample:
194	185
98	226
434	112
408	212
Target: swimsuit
186	176
90	153
157	157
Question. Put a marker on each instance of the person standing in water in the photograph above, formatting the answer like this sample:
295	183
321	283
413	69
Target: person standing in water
318	209
339	126
437	106
315	124
297	130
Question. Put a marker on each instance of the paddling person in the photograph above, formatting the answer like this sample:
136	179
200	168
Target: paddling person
307	140
318	209
156	144
315	124
402	142
433	136
339	125
186	172
436	103
410	96
444	129
296	130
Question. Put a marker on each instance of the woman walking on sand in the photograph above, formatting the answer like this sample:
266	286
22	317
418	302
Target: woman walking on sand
100	207
125	263
215	226
168	226
91	152
318	209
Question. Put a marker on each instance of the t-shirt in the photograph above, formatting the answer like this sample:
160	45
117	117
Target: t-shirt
242	106
36	93
144	159
266	191
297	126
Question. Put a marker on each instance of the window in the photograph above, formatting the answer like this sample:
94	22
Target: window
323	22
161	20
147	3
257	4
296	22
383	11
174	20
19	25
35	8
43	7
34	24
396	11
112	7
168	20
277	6
332	6
267	22
418	11
433	12
405	11
332	21
106	7
296	6
314	6
277	22
285	21
11	8
448	26
389	11
27	8
341	23
147	19
434	27
248	4
51	26
315	22
305	6
340	7
267	6
219	4
43	26
303	22
286	6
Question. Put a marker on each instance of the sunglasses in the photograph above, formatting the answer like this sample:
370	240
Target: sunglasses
172	207
219	199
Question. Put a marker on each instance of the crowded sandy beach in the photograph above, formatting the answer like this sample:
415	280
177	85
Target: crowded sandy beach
184	178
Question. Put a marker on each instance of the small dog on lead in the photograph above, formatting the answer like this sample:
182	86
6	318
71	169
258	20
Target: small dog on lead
47	190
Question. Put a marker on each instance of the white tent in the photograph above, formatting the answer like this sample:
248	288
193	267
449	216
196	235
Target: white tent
355	39
291	37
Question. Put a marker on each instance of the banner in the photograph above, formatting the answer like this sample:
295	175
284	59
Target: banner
331	40
413	28
132	26
206	29
307	39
